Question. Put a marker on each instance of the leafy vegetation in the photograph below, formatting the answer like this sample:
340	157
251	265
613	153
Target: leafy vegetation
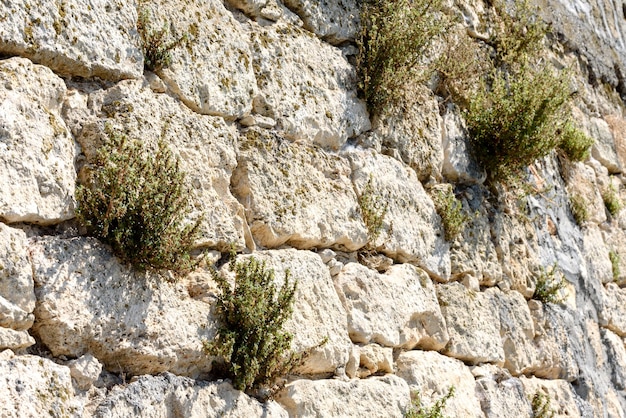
451	212
157	44
418	410
252	313
137	202
393	41
578	205
574	143
548	285
373	211
615	260
611	200
541	406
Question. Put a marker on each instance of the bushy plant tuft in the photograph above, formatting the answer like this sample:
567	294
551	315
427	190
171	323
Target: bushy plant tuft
611	200
157	44
418	410
574	143
252	313
578	205
137	202
451	212
615	260
541	406
373	211
548	285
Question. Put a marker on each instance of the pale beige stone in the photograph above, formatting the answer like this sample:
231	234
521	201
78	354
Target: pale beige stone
85	370
15	340
563	399
613	309
458	164
16	274
603	148
582	183
333	21
375	359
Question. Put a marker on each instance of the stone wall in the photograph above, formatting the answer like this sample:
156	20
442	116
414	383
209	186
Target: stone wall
262	110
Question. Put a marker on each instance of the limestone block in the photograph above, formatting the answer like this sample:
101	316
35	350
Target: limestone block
306	85
596	254
213	73
32	386
333	21
205	146
388	395
317	311
458	165
412	230
614	239
15	340
375	359
517	330
169	395
12	316
16	275
473	322
503	398
85	370
86	38
603	148
563	399
133	323
411	131
613	310
395	309
581	181
296	194
37	175
616	356
432	375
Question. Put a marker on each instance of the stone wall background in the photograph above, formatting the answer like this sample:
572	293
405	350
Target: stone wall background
263	112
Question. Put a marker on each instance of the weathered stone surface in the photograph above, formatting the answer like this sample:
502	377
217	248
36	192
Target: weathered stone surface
411	131
375	359
205	146
432	374
603	148
563	399
32	386
388	395
37	176
85	38
15	340
395	309
614	239
581	180
317	311
88	302
596	255
417	233
16	274
613	310
306	85
85	370
169	395
12	316
458	164
616	356
333	21
500	395
296	194
473	324
213	73
517	330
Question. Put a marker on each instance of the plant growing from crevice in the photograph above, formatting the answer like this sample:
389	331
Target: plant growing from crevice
541	407
373	211
135	199
157	44
611	200
578	205
615	260
450	209
252	312
574	143
548	286
417	410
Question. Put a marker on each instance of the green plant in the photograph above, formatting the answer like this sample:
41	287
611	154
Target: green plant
578	205
574	143
541	406
373	211
252	313
156	44
611	200
548	285
393	40
417	410
137	202
615	259
451	212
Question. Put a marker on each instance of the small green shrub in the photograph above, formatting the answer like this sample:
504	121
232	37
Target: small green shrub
611	200
156	44
417	410
392	42
574	143
373	211
615	259
548	285
451	212
252	313
578	205
541	406
138	204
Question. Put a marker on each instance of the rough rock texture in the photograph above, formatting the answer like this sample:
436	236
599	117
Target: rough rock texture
395	309
88	302
170	395
500	395
296	194
212	73
37	176
458	165
312	95
355	398
612	314
375	359
333	21
85	38
563	400
85	371
616	354
412	230
16	275
199	141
